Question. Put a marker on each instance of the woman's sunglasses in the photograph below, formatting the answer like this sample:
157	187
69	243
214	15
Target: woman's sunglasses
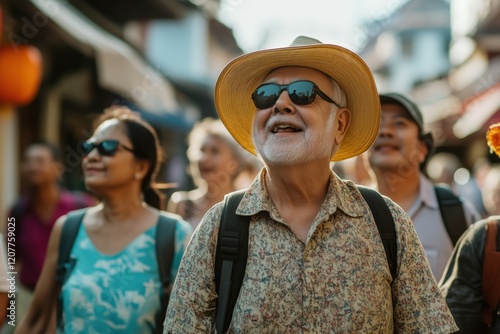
105	148
301	92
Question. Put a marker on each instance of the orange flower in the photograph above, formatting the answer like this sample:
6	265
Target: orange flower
493	138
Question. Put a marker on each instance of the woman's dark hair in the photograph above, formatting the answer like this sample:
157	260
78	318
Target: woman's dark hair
146	146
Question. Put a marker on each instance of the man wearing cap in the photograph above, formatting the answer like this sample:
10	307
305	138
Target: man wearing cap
316	263
397	159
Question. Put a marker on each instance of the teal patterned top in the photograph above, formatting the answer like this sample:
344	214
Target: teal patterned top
117	293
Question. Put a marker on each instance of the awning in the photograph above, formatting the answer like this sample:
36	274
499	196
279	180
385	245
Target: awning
122	11
120	68
478	111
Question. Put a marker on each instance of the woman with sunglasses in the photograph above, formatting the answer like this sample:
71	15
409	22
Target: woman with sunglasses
114	286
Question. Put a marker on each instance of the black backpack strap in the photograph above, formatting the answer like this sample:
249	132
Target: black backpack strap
385	225
65	264
165	250
230	259
452	212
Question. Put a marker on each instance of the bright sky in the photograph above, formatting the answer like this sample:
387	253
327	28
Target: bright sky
259	24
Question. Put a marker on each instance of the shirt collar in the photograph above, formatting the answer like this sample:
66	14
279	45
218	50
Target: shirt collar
426	196
340	194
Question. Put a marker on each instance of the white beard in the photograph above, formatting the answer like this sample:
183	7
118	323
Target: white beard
297	149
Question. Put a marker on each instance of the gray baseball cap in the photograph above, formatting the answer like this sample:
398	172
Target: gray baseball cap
408	104
414	112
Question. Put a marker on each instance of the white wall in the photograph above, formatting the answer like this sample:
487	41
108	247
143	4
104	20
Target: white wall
179	47
427	59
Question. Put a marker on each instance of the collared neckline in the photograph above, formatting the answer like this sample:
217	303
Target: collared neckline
426	196
340	194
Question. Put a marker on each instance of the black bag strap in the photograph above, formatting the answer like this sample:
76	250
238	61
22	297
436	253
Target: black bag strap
165	250
65	264
385	225
452	212
230	259
68	236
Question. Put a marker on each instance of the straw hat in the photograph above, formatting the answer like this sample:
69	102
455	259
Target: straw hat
243	75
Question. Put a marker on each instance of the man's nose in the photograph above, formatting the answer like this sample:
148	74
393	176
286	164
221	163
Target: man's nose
385	129
284	104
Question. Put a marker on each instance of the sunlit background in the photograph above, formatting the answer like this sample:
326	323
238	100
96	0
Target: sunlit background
262	24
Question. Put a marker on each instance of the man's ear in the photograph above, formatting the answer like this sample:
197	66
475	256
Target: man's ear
343	121
426	145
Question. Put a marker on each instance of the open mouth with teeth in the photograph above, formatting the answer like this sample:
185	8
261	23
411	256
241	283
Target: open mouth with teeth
386	147
284	128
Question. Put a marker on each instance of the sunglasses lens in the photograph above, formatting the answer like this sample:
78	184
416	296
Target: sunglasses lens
86	147
266	96
301	92
108	147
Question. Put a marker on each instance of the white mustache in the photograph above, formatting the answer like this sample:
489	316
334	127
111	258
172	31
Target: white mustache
280	120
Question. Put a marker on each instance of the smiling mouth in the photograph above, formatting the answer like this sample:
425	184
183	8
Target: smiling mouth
386	148
285	128
93	170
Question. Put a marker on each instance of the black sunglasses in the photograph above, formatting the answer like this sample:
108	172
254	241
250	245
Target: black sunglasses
301	92
105	148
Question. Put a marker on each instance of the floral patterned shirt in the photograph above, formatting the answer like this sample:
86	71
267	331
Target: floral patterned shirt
337	282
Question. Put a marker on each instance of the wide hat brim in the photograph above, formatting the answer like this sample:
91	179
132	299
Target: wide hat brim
243	75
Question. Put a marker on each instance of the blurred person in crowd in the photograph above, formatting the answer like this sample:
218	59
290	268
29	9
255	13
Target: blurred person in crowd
470	282
442	167
446	168
216	163
315	262
397	159
462	281
35	214
480	170
354	169
114	285
491	191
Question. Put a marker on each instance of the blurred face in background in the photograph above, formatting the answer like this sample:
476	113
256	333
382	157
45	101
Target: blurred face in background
215	160
491	191
398	142
39	167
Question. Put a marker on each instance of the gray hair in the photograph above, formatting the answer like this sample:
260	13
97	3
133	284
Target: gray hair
339	94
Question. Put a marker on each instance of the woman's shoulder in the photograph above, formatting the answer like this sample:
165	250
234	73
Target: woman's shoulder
182	226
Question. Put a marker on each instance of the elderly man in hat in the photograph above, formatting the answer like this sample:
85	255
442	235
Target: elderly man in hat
315	259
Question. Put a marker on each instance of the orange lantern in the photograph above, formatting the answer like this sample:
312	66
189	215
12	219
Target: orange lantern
20	74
